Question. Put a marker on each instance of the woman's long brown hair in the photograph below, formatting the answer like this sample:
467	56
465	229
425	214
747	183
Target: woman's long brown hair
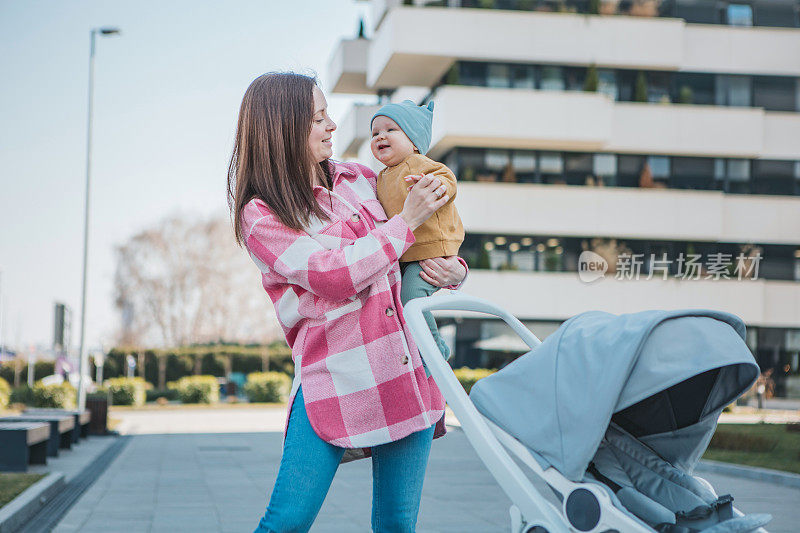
271	158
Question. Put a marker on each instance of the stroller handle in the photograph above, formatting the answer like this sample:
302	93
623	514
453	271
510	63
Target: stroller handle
536	510
464	302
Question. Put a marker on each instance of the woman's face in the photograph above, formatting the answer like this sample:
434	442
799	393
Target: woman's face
322	127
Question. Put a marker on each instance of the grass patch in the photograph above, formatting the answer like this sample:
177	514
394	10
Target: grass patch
12	485
772	446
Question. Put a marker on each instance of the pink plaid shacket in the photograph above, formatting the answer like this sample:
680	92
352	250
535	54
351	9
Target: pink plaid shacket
336	291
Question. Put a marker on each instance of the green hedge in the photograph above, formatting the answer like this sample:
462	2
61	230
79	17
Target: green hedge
126	391
169	394
41	369
196	389
60	396
267	386
468	376
5	393
22	394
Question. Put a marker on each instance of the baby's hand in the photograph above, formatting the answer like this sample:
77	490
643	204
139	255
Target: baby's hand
412	179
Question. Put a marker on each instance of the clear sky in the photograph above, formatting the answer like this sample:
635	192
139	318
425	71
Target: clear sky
167	93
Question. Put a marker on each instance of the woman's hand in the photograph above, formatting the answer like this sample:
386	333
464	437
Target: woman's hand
442	271
425	197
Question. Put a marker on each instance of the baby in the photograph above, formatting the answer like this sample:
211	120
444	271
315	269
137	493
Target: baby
401	135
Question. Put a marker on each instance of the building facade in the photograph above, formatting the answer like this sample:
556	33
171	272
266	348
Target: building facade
661	139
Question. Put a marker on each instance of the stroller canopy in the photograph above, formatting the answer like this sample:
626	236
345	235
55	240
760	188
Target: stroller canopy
664	376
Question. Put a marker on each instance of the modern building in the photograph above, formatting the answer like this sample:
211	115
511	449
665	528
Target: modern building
662	136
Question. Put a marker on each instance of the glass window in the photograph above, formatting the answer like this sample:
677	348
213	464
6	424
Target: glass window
498	76
497	159
581	163
739	15
473	73
574	77
630	164
696	12
775	93
522	76
659	166
733	90
471	157
691	88
551	163
658	87
524	161
607	83
605	164
738	169
693	173
773	177
552	79
775	13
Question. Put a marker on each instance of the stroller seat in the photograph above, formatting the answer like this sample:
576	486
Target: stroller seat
666	498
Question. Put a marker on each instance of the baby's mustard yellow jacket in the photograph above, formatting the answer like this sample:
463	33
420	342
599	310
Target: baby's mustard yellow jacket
442	234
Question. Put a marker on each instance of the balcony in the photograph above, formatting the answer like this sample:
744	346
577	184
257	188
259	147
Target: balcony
354	130
558	296
528	119
441	36
617	212
348	67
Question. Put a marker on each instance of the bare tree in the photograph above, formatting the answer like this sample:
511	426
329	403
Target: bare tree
185	281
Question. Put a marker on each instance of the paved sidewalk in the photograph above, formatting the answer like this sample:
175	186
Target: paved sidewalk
175	480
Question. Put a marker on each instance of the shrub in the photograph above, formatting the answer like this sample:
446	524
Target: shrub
61	396
126	391
469	376
22	394
5	393
196	389
267	386
167	394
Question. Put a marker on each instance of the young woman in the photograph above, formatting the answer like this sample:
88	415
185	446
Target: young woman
329	262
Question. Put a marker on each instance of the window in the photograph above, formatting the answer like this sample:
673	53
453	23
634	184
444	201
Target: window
659	166
690	88
522	76
577	168
524	165
574	78
497	159
739	15
775	93
733	90
605	166
629	168
775	13
551	165
696	12
692	173
734	172
773	177
473	73
607	83
498	76
552	79
658	87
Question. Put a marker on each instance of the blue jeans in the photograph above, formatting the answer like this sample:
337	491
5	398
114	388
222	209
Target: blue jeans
309	463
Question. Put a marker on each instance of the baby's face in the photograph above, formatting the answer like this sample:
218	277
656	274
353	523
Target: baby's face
390	145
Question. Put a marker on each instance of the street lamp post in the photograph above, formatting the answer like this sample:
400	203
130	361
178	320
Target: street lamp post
83	364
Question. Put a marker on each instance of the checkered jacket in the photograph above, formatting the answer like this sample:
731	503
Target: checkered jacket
336	291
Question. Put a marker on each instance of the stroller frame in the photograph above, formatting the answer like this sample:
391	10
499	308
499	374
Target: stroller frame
530	511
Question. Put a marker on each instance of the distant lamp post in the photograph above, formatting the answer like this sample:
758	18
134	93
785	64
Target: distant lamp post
83	365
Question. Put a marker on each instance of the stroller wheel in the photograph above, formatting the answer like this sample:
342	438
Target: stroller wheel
536	529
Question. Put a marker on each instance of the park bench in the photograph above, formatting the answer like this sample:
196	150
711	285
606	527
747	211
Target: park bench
61	428
82	419
23	443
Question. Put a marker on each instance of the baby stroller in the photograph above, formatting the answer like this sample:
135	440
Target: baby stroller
612	412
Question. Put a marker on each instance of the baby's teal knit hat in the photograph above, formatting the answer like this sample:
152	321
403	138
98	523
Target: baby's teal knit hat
414	120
